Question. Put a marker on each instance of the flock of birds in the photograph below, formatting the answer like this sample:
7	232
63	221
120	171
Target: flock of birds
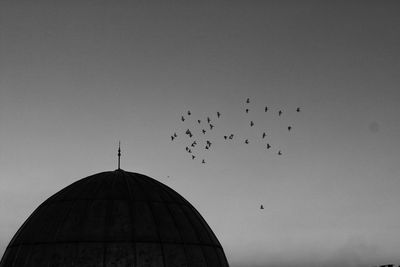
198	135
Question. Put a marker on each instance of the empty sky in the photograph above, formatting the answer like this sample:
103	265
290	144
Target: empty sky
77	76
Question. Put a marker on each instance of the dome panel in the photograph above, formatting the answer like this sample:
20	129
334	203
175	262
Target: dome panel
165	224
115	219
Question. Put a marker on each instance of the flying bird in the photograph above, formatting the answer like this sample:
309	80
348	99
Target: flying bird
268	146
204	131
182	118
263	135
279	152
225	137
289	128
246	141
199	121
231	136
218	114
203	161
189	113
193	156
266	109
251	123
172	138
248	100
208	119
298	109
208	143
280	112
175	135
211	126
247	110
261	207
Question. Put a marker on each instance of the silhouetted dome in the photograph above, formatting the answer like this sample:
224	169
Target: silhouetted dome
115	218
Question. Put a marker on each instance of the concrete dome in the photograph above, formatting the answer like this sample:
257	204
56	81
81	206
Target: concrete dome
115	218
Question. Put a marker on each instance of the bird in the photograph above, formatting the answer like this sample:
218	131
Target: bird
218	114
263	135
225	137
199	121
248	100
266	109
203	161
279	152
193	156
251	123
261	207
188	132
246	141
204	131
206	147
280	112
189	113
187	149
298	109
182	118
208	119
175	135
208	143
172	138
289	128
247	110
231	136
268	146
211	126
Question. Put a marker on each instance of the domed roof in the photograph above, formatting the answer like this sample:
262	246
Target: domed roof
115	218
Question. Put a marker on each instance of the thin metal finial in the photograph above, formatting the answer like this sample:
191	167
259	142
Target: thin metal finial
119	155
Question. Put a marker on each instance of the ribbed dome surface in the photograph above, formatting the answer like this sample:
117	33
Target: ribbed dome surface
115	218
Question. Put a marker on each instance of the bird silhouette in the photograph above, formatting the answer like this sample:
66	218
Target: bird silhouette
211	126
204	131
261	207
280	112
175	135
268	146
231	136
218	114
266	109
279	152
247	110
225	137
298	109
206	147
189	113
208	143
187	149
193	156
248	100
246	141
251	123
203	161
199	121
289	128
182	118
208	119
263	135
172	138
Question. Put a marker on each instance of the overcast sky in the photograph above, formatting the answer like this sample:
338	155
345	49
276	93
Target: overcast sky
77	76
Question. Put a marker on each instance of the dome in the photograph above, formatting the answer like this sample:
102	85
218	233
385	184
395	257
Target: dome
115	218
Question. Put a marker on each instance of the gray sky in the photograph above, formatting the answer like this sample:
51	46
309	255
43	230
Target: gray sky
77	76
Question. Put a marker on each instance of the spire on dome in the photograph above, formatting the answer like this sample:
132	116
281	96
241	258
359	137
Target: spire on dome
119	155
